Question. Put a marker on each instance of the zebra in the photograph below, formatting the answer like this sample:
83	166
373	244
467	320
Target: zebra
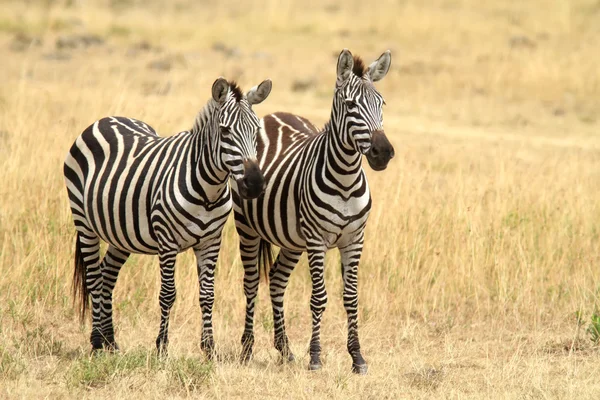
316	198
146	194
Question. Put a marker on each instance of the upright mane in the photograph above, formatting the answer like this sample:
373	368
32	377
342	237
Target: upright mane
359	67
236	91
204	114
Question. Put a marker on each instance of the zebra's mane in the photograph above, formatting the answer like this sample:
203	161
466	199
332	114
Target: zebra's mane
204	115
359	67
236	91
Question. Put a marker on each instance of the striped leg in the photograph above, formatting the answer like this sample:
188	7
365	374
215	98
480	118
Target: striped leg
90	251
350	258
249	253
206	258
166	297
111	265
318	301
278	280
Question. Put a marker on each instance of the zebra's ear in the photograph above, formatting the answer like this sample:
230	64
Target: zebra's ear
259	93
380	67
220	89
344	65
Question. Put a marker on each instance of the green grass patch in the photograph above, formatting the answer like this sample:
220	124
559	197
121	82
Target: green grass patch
99	370
184	373
189	374
38	342
11	365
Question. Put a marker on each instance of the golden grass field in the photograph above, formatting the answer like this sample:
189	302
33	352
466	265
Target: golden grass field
482	248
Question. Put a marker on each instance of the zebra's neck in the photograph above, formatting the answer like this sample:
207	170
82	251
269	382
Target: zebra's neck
342	161
209	177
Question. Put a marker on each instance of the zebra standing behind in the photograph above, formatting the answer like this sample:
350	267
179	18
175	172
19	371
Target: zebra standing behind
316	198
146	194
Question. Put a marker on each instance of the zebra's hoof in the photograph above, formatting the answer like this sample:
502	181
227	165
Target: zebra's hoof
246	355
112	347
162	351
96	351
360	369
287	359
315	366
245	358
210	355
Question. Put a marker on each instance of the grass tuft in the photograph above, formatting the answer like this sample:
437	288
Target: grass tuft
103	368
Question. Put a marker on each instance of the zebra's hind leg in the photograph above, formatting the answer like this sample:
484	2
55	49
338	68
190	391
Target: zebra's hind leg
278	279
318	300
206	258
111	265
90	278
249	247
166	297
350	256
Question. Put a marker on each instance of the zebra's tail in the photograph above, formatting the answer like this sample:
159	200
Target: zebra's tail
80	290
265	258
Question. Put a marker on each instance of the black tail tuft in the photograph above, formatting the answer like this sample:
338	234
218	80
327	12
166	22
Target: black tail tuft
265	258
80	290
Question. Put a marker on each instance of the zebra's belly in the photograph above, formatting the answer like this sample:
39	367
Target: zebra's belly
137	234
287	230
282	232
280	229
119	225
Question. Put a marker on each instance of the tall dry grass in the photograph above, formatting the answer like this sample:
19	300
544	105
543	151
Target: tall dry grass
481	247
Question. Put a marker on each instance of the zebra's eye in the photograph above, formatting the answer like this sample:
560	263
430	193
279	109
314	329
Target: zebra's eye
225	130
350	103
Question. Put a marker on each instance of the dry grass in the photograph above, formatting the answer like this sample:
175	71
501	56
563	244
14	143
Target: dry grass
483	241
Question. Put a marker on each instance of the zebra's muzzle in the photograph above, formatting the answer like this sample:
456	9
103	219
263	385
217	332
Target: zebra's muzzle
252	184
381	151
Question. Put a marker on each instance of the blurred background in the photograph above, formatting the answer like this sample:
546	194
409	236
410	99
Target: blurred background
514	64
480	269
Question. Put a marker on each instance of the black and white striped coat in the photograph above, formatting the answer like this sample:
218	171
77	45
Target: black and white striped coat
317	198
146	194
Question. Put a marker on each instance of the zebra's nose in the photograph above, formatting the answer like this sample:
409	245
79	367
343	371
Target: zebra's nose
252	184
381	151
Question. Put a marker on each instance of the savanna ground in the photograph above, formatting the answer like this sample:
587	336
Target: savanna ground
480	273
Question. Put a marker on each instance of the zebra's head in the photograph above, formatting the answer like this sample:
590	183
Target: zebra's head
238	125
360	107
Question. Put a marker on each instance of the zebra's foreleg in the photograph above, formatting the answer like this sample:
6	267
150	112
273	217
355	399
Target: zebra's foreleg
350	256
111	265
206	258
278	279
166	297
249	254
318	301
